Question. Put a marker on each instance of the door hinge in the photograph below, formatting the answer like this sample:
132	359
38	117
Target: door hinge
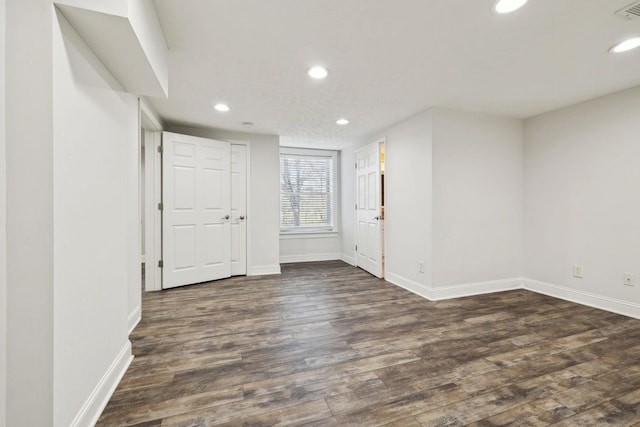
356	165
160	206
160	149
161	264
356	206
356	248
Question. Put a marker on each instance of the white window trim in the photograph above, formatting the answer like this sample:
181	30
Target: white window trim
292	234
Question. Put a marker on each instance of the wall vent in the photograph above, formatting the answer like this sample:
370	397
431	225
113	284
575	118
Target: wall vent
631	11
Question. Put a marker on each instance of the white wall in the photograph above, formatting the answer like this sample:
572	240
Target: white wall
29	127
71	223
146	25
347	204
453	200
408	200
264	191
96	220
131	169
317	248
3	224
477	198
111	7
581	203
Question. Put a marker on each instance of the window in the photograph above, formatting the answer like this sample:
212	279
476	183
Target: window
307	190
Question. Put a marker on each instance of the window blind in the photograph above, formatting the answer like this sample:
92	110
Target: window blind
306	192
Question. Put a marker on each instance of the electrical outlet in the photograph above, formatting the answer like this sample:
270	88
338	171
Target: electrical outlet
578	271
421	266
629	279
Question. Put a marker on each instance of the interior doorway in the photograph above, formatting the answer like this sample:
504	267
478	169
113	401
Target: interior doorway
204	209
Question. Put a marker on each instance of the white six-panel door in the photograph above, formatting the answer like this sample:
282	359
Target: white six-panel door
368	210
196	211
238	210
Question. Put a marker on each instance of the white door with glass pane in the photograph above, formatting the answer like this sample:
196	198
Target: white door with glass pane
307	193
369	209
196	211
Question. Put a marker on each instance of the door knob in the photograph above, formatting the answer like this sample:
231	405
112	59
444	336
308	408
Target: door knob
226	217
241	217
377	218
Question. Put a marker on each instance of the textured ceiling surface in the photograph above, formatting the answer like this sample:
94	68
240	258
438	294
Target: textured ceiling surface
387	59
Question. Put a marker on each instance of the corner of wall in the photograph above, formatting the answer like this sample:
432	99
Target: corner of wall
135	316
408	213
348	258
148	118
263	270
99	397
410	285
476	158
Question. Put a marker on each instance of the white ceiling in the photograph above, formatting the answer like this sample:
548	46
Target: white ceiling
388	59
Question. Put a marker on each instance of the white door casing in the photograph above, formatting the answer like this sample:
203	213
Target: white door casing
238	210
368	210
196	211
153	217
152	129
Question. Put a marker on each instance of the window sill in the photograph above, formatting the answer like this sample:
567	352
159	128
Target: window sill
308	235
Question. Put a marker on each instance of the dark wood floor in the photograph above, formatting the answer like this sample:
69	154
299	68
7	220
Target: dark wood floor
327	344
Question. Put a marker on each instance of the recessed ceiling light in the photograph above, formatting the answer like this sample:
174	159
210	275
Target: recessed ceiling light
507	6
223	108
626	45
318	72
342	122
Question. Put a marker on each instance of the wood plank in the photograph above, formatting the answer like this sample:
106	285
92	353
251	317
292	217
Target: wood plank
326	344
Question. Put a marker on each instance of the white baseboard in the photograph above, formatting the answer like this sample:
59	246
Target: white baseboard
95	404
134	318
437	293
285	259
412	286
261	270
477	288
348	259
586	298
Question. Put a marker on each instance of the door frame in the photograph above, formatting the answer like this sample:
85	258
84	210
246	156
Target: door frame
153	192
379	141
152	128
